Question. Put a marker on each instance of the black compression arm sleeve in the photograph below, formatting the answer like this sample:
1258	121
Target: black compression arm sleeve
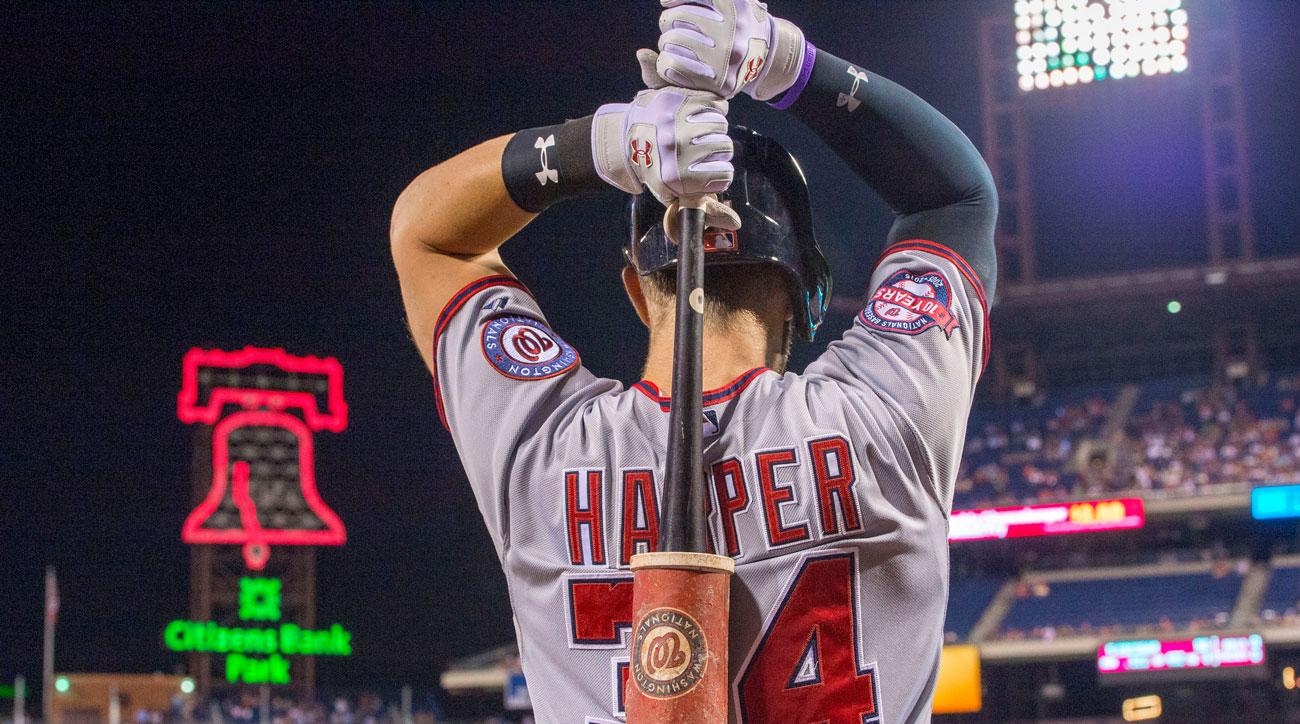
543	165
921	164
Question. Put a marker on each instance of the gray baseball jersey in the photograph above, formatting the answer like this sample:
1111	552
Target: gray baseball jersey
830	489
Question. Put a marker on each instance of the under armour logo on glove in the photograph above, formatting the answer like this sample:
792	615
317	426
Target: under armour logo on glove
547	173
641	154
847	99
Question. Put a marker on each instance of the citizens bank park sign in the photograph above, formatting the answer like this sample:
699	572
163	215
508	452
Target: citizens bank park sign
255	653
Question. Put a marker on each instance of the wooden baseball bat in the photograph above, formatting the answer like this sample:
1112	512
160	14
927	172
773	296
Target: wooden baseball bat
680	595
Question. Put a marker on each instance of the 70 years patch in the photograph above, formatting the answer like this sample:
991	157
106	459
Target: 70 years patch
910	302
669	654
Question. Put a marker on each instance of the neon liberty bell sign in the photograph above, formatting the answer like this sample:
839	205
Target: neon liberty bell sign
264	406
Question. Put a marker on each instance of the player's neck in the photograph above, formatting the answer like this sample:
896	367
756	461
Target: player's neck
728	353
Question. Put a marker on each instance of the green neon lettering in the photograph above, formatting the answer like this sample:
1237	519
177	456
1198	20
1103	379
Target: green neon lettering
234	668
288	639
174	636
251	670
279	669
208	637
317	641
340	641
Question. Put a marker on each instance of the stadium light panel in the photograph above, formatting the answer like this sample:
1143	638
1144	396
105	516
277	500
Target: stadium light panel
1100	38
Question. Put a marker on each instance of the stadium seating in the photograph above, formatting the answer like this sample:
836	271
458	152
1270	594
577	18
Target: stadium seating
1198	437
1129	605
1020	452
967	599
1182	436
1279	604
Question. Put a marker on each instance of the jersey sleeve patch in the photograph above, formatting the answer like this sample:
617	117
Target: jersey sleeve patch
910	302
523	348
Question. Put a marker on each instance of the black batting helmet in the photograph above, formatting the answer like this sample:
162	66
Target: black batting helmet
770	194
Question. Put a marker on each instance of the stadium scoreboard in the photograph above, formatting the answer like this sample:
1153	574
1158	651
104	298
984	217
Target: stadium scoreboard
1212	656
1275	502
1080	516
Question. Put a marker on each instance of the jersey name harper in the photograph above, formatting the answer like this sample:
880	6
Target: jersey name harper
762	485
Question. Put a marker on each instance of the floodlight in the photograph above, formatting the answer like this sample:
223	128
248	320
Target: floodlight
1097	40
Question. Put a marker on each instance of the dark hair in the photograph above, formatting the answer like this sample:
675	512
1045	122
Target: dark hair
728	288
733	292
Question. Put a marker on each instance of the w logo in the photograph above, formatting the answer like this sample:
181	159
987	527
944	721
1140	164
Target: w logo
531	345
641	153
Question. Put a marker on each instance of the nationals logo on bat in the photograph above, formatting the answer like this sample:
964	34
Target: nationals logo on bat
910	303
524	349
669	654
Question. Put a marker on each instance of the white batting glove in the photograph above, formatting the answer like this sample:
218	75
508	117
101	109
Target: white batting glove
724	47
671	142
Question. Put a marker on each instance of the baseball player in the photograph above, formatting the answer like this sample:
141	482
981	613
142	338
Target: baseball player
831	488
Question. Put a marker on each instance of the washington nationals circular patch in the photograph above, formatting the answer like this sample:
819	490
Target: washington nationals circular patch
910	303
522	348
669	654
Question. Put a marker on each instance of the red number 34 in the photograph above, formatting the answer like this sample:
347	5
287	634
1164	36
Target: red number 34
805	668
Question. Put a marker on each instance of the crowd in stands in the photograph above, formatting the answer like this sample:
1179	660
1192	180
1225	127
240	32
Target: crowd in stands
1076	556
1022	454
1215	436
1179	439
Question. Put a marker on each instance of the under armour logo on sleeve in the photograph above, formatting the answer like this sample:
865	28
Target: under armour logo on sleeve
547	173
847	99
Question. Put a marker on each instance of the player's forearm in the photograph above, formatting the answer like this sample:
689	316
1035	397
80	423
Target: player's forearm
460	206
475	201
919	162
908	152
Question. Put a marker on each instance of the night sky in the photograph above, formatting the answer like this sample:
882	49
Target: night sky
222	175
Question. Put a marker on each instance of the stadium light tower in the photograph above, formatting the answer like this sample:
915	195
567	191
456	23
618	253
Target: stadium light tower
1033	51
1077	42
1050	44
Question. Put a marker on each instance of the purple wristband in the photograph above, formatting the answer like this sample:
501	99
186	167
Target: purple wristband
792	93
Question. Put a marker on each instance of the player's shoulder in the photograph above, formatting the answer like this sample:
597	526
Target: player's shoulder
793	400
